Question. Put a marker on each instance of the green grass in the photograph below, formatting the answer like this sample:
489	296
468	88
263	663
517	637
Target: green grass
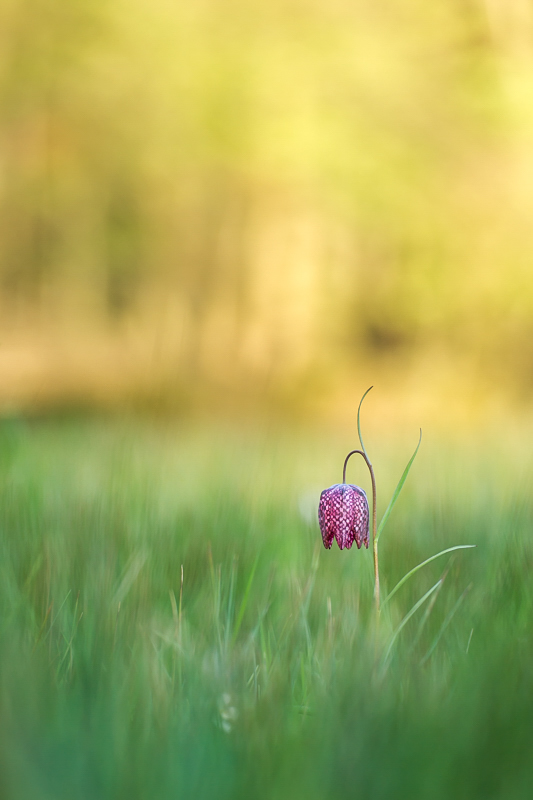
262	674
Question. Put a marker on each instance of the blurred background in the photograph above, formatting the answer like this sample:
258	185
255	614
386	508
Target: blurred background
231	205
220	223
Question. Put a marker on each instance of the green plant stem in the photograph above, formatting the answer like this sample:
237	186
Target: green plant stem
359	419
374	522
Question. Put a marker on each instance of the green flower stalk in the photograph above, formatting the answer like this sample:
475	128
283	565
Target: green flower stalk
343	515
343	509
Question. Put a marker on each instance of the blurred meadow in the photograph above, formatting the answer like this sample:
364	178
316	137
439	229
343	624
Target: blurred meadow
171	625
219	224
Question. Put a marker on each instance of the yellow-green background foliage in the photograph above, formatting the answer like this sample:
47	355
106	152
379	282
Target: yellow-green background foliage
267	199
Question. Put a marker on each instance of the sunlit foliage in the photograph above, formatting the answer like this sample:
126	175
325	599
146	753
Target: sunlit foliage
234	192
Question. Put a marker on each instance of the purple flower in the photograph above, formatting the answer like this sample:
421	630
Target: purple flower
343	514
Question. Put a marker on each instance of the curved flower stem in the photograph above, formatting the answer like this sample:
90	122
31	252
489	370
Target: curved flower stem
374	537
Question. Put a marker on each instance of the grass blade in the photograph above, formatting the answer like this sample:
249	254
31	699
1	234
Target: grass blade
130	575
445	624
398	489
431	605
244	601
408	616
423	564
57	613
231	603
359	421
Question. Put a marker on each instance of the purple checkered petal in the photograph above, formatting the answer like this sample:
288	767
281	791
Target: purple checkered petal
343	515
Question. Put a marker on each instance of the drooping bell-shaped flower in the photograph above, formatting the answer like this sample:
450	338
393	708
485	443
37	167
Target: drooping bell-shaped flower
343	514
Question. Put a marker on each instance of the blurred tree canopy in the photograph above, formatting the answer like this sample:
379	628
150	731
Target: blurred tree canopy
233	192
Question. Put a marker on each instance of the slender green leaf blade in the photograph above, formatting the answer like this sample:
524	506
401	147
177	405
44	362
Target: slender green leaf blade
244	601
431	605
359	421
230	610
408	616
398	489
423	564
445	624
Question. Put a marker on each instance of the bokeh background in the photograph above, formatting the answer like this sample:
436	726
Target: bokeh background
220	223
234	204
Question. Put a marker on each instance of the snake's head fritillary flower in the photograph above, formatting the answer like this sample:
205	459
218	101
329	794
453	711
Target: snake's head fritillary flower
343	515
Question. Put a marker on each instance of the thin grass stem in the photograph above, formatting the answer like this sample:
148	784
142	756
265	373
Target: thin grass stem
408	616
445	625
